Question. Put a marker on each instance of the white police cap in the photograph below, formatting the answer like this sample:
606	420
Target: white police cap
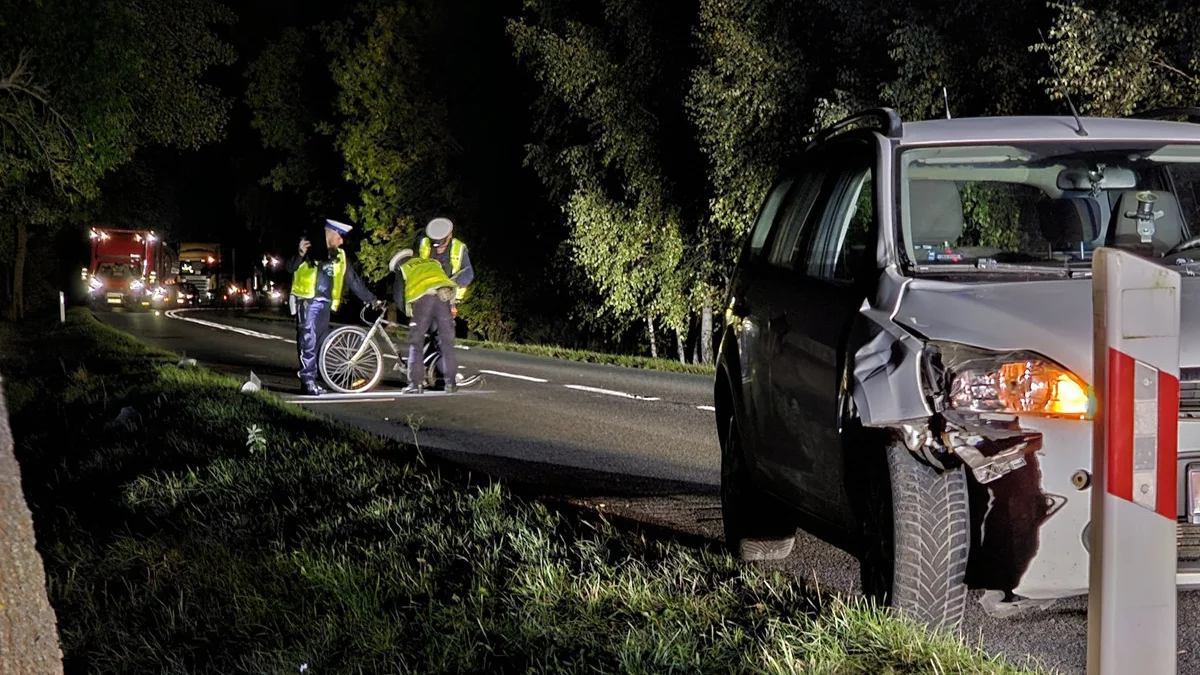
401	256
439	228
341	228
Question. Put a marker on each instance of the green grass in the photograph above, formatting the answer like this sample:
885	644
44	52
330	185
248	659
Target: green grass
231	533
550	351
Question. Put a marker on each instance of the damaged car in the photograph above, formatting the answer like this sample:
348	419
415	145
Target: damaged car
905	358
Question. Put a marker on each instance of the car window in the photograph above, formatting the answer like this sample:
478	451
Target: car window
790	223
766	215
1187	179
844	232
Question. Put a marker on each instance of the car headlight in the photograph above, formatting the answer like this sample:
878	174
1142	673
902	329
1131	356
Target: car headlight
1017	383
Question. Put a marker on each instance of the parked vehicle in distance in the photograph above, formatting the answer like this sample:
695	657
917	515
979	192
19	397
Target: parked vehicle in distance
199	265
905	361
125	266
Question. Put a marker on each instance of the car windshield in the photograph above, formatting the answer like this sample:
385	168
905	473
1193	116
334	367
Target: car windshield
1045	206
115	270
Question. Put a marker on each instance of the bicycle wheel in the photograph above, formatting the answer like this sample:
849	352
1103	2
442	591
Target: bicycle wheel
336	369
432	373
433	363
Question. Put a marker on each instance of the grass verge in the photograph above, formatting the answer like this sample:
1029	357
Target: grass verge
226	532
550	351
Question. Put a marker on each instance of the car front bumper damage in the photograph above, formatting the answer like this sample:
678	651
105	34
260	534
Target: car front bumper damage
1031	481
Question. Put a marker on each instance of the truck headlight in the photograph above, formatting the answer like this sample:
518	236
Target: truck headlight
1017	383
96	284
136	285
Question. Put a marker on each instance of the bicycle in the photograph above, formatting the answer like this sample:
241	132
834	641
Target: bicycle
351	361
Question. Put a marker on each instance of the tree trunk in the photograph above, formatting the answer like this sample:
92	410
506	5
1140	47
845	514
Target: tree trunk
706	334
28	631
17	310
680	347
653	341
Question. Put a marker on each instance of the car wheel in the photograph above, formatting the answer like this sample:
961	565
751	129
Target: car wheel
757	527
917	536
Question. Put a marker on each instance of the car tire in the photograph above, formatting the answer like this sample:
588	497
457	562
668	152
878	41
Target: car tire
917	540
757	527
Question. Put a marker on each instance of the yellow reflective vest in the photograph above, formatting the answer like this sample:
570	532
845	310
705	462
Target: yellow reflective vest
304	280
456	256
423	276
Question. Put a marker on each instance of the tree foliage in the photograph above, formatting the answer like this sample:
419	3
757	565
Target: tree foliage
393	132
610	83
275	94
1118	58
746	101
88	83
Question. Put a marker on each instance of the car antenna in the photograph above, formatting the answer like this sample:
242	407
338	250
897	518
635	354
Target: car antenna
946	98
1058	73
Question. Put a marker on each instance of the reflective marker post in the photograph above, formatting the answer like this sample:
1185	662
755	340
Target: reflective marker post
1131	603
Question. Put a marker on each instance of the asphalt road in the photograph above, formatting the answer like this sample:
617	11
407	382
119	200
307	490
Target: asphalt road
635	443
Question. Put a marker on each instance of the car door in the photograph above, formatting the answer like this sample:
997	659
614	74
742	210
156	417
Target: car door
750	298
771	296
819	306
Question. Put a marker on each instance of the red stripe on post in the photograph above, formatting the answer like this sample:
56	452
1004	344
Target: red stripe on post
1168	445
1119	420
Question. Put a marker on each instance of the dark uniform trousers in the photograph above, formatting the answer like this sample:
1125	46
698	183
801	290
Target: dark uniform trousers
312	326
427	311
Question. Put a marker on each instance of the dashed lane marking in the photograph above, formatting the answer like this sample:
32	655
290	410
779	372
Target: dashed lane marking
515	377
610	392
709	408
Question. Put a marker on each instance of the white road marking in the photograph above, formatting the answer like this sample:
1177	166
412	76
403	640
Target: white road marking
343	400
706	407
515	377
175	314
610	392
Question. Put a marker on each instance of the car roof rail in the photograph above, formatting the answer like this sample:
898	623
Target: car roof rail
887	122
1192	114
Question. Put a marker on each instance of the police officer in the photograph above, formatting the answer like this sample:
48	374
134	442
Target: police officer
425	291
440	244
317	290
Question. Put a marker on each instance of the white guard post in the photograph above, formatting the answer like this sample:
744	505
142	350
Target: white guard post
62	307
1131	604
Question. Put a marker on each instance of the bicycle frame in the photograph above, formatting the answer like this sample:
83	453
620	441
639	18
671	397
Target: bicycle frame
377	328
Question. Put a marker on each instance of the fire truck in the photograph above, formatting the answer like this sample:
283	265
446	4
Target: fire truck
129	268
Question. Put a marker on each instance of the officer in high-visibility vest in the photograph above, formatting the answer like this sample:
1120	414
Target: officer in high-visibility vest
317	290
439	243
425	292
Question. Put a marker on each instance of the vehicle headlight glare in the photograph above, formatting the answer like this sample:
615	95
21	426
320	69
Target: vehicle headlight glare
1024	387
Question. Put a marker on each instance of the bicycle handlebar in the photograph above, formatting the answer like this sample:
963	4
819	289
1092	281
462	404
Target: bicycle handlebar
362	314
